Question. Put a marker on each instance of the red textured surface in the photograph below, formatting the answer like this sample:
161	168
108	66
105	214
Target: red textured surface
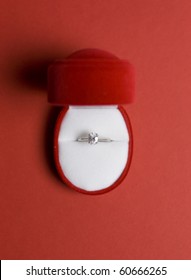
148	216
90	77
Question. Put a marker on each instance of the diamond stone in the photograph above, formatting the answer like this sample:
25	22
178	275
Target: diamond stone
93	138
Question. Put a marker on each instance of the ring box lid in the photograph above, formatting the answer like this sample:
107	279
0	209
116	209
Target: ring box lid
90	77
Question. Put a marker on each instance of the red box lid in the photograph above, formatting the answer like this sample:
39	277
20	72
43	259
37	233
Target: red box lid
90	77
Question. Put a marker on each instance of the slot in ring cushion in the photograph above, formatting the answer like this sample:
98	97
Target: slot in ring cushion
93	168
86	168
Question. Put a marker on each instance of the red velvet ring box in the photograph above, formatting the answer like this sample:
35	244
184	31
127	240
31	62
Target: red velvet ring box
92	86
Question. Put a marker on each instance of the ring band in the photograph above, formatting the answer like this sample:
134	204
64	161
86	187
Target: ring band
93	138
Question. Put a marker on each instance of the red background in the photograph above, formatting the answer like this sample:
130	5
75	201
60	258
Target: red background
149	215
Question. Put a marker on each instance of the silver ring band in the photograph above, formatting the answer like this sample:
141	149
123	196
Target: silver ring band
93	138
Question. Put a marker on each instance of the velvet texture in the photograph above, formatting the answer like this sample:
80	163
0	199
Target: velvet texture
61	171
86	78
91	77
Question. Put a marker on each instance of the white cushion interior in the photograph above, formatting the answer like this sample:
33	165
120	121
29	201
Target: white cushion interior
93	167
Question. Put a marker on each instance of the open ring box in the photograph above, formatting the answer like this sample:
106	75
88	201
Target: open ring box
92	86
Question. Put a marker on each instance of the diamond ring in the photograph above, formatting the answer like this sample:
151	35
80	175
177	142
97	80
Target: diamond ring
93	138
